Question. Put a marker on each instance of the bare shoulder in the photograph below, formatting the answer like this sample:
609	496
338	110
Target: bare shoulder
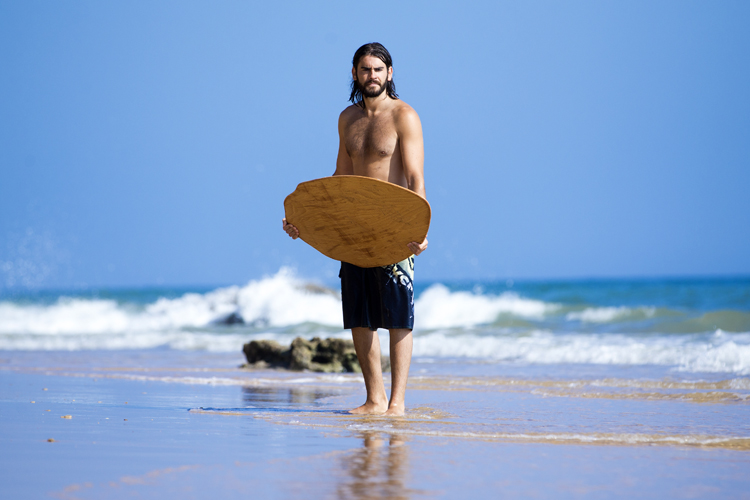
406	117
349	114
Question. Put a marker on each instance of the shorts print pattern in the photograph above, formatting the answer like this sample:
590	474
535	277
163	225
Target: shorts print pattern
378	297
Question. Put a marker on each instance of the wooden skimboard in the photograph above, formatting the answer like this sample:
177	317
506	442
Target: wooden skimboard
360	220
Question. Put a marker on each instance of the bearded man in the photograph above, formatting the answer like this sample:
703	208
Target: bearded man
380	136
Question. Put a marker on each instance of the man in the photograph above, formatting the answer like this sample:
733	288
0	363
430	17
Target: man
380	136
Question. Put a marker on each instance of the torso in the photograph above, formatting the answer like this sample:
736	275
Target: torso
372	143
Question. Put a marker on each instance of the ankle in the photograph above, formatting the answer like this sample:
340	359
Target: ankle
377	401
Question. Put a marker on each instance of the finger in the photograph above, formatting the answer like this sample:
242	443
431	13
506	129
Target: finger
417	248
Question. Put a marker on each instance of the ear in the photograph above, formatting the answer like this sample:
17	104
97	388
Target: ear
354	73
390	73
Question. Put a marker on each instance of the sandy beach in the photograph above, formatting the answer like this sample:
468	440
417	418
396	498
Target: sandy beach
166	424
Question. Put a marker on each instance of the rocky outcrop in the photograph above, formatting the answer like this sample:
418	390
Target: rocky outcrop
326	355
230	319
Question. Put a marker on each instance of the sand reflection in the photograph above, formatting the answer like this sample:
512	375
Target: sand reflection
295	396
377	470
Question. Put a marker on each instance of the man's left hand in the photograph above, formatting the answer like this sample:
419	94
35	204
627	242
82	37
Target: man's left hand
417	248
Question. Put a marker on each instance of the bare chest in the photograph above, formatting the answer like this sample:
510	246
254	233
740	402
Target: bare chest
371	139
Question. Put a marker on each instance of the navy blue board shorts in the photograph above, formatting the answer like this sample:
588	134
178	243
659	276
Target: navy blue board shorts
378	297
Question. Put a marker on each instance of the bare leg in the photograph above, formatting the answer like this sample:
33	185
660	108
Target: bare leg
401	345
367	345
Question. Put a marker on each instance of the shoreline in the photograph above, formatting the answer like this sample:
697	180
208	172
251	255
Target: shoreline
161	426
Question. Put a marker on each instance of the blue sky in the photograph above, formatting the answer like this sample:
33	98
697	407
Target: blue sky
154	142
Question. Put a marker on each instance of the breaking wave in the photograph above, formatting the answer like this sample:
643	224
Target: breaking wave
504	326
717	352
281	300
438	307
609	314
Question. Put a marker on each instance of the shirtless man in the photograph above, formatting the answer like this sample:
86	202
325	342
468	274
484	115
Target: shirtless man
380	136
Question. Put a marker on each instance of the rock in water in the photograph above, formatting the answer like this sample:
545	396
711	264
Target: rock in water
326	355
264	353
230	319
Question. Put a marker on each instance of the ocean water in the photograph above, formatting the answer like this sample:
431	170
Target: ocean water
687	326
563	389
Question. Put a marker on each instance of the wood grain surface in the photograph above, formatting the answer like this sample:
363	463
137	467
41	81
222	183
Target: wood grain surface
360	220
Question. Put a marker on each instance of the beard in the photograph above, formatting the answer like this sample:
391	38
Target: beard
371	91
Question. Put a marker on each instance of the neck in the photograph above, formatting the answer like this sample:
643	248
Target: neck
375	104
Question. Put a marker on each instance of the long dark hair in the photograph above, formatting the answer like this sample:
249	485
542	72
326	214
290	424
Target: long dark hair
377	50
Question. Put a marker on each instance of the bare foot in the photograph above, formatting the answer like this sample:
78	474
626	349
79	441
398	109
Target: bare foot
395	411
370	409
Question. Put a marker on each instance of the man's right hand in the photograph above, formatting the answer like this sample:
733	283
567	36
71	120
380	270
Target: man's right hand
291	230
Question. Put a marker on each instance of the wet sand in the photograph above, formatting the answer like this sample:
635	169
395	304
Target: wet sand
167	425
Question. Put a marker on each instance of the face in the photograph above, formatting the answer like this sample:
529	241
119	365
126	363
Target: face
371	75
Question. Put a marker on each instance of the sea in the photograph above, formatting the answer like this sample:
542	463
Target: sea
517	389
672	327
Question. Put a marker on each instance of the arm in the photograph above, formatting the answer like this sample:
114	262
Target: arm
344	165
412	157
412	149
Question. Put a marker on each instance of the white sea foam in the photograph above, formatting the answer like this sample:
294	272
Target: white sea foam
276	301
179	340
438	307
608	314
729	353
449	324
279	301
338	379
694	353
